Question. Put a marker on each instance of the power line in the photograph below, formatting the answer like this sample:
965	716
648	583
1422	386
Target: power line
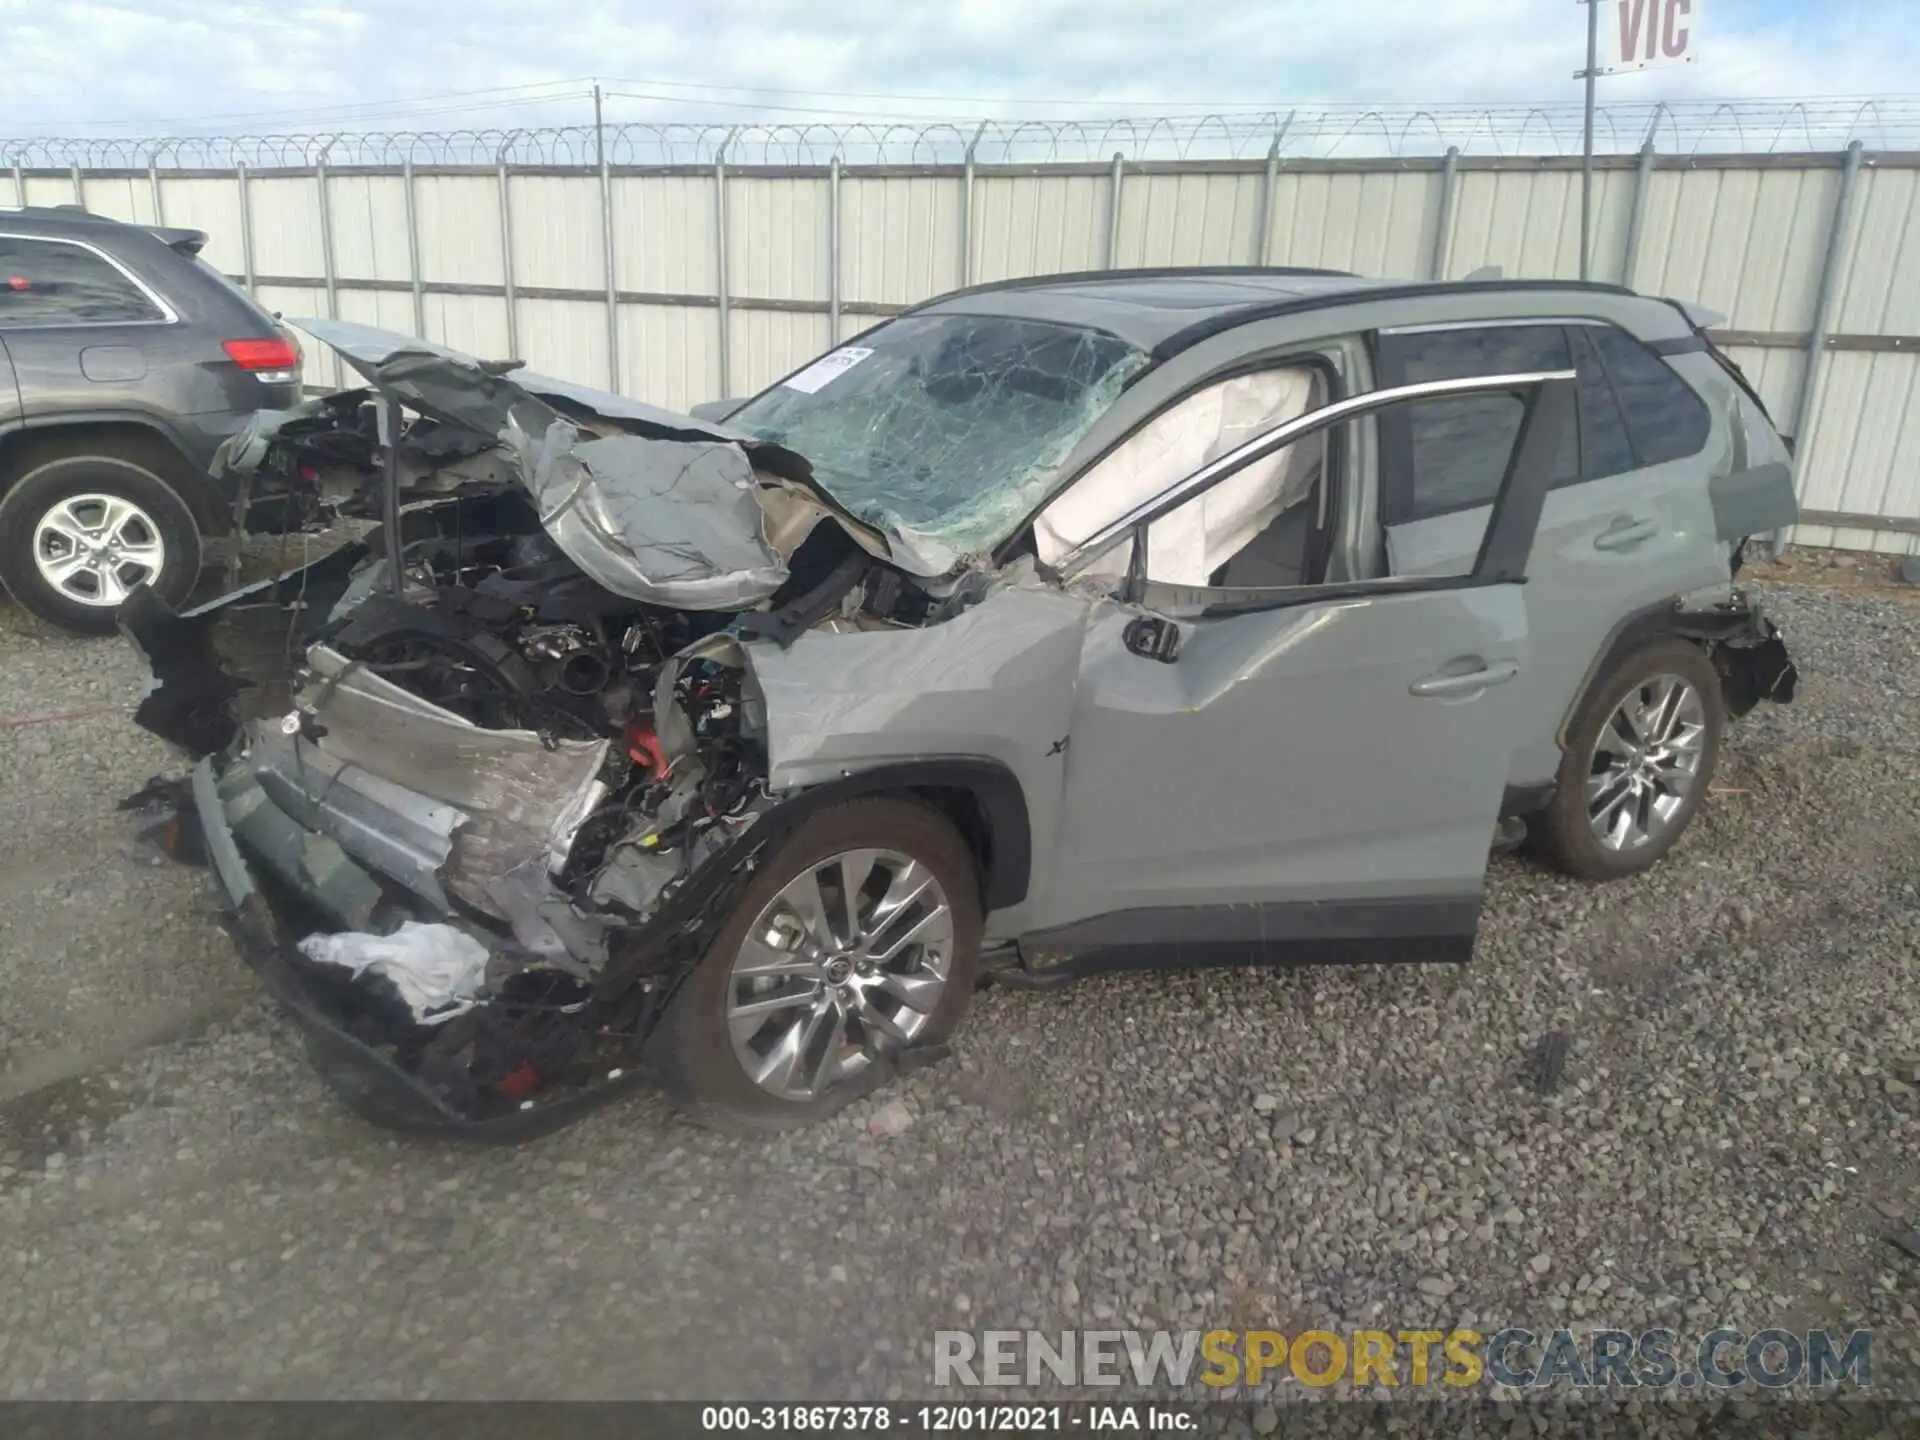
368	109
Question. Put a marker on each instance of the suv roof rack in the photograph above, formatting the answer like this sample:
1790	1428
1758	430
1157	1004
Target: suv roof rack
1147	272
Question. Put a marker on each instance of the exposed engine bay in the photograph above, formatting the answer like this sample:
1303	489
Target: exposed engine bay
479	795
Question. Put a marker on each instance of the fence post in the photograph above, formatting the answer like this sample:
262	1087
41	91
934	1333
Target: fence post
1637	217
1113	209
966	208
506	254
1270	192
606	245
246	227
721	296
833	251
1823	306
19	184
413	251
79	186
326	235
153	187
1449	201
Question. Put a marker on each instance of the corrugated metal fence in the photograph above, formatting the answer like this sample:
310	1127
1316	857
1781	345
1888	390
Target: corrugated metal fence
681	283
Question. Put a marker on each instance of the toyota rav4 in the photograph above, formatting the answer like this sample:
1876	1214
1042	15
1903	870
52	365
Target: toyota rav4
1191	617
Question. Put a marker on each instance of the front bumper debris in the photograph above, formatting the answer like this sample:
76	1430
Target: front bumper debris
366	1075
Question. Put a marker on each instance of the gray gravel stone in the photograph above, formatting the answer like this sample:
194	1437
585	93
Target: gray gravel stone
1095	1157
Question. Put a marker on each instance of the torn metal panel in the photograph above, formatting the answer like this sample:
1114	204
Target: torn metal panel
545	922
314	865
631	415
399	832
667	522
245	450
520	790
367	349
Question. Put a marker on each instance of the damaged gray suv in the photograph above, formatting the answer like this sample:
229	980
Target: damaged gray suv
1195	617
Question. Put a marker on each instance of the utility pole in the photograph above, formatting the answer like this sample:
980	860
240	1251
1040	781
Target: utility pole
1592	75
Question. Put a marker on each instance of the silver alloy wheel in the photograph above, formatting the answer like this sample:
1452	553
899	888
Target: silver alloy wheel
1645	761
93	549
851	956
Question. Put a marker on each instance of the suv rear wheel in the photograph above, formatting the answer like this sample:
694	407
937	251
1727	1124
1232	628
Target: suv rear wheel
79	530
1638	761
858	936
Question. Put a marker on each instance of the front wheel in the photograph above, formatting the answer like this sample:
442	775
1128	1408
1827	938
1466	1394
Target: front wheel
1638	761
79	532
857	937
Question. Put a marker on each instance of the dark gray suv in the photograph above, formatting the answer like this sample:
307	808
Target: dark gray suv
124	361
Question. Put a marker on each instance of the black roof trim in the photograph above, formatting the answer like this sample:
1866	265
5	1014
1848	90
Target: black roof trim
79	220
1157	272
1160	272
1233	319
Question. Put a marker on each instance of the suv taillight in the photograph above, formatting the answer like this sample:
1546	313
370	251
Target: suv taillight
275	360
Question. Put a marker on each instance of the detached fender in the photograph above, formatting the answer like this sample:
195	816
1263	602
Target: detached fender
1745	645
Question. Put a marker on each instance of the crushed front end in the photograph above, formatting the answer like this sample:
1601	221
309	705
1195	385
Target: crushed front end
477	794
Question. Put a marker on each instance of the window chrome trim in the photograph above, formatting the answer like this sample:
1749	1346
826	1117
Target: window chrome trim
1505	322
168	315
1103	540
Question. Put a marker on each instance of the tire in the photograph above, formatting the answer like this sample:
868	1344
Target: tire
695	1047
1597	743
95	492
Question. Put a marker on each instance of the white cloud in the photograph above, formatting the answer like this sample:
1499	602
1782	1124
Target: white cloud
185	65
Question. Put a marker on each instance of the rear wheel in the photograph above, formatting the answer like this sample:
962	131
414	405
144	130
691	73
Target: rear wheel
79	532
858	937
1638	761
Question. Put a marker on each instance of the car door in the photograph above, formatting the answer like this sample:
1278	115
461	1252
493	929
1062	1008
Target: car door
1627	523
1251	771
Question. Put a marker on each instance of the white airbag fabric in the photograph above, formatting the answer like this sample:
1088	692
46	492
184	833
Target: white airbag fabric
1186	547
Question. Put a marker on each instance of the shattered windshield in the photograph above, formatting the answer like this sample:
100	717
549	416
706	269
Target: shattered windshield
945	430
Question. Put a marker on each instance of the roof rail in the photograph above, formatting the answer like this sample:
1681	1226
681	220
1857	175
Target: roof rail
1155	272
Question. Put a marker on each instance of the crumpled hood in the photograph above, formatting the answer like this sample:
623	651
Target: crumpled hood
655	506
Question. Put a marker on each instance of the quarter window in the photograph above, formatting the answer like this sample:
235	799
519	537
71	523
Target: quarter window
1666	420
51	282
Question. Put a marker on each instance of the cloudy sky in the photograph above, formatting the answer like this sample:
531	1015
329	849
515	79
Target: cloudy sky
116	67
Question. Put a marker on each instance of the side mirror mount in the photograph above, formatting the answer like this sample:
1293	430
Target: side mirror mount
1152	637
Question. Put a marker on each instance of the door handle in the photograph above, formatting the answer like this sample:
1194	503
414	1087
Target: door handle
1467	684
1626	532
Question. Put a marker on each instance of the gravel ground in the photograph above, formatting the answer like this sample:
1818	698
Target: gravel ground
185	1213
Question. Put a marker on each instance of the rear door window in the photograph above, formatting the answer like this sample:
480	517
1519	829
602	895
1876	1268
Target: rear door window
1665	419
53	282
1439	456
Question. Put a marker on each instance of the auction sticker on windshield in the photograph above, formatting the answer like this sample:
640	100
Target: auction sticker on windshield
827	368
